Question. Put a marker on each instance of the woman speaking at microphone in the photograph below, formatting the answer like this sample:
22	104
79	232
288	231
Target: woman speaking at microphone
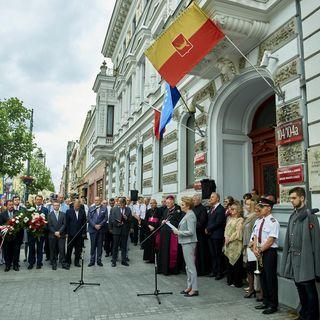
187	237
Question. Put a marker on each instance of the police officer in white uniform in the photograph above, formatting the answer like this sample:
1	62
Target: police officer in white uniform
266	234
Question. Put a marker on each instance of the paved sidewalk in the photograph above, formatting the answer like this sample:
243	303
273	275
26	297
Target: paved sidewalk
46	294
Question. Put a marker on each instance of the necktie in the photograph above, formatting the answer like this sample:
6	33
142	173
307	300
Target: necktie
260	231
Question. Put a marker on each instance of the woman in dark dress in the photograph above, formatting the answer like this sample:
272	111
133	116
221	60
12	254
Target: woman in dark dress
150	223
170	258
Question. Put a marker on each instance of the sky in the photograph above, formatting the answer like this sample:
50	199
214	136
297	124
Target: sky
50	54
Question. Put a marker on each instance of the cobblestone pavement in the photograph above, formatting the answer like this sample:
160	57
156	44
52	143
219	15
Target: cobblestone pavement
47	295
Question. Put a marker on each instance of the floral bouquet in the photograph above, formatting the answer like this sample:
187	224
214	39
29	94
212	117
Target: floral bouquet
36	224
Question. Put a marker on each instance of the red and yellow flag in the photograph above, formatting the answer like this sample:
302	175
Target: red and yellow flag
183	45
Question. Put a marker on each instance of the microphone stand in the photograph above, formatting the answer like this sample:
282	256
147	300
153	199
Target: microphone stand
81	282
156	291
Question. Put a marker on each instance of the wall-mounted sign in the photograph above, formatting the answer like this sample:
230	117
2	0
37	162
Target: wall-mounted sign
291	174
314	168
289	132
200	158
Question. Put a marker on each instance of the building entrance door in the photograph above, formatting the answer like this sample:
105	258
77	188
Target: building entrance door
264	149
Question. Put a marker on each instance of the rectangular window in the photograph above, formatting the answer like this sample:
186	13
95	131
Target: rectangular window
110	120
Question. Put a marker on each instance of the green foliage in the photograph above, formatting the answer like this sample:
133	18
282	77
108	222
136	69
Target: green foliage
41	174
16	141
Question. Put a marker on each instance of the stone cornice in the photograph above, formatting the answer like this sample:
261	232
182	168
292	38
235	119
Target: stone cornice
118	17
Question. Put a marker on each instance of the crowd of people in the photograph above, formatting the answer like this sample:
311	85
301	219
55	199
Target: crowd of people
234	239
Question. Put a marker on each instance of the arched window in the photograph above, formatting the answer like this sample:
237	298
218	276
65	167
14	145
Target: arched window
190	142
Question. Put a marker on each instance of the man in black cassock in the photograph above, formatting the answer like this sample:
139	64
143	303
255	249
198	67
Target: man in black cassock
150	223
170	257
203	260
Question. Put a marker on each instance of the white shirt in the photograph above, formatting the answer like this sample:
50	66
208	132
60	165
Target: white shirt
140	210
270	228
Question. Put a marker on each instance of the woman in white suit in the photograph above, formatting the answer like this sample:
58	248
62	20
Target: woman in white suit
187	237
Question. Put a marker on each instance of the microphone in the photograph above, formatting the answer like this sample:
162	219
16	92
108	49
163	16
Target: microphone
313	211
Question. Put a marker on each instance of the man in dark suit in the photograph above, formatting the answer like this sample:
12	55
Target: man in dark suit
36	244
18	208
76	219
108	239
97	218
11	244
119	223
215	230
57	236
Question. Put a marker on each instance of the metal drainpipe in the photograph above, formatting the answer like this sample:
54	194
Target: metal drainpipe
303	88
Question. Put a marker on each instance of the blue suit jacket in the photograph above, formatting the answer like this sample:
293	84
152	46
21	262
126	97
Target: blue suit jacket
94	218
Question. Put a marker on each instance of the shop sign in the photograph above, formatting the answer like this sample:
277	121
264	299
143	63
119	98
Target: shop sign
291	174
289	132
200	158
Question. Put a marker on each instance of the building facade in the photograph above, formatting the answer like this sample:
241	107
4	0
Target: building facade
241	134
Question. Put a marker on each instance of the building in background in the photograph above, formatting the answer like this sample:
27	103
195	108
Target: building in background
252	138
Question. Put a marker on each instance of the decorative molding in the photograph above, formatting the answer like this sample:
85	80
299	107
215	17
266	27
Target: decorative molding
176	114
286	72
147	183
147	135
133	158
200	146
288	112
227	69
133	145
208	91
200	172
202	119
170	178
147	150
291	154
242	63
147	166
279	38
170	158
170	137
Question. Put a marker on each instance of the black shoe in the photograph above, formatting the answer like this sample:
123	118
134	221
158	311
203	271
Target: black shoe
270	310
91	264
125	263
113	264
100	264
25	260
261	307
194	294
30	266
7	269
38	266
184	292
54	267
211	275
250	294
16	268
77	264
47	258
219	277
127	259
107	255
65	266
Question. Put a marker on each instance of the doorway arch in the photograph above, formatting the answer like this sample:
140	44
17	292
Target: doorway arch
230	121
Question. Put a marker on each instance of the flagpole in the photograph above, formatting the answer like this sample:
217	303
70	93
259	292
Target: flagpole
155	109
278	91
195	121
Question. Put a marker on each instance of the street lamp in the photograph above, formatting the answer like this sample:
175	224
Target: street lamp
28	179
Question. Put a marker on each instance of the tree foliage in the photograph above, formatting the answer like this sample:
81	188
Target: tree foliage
41	174
16	141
